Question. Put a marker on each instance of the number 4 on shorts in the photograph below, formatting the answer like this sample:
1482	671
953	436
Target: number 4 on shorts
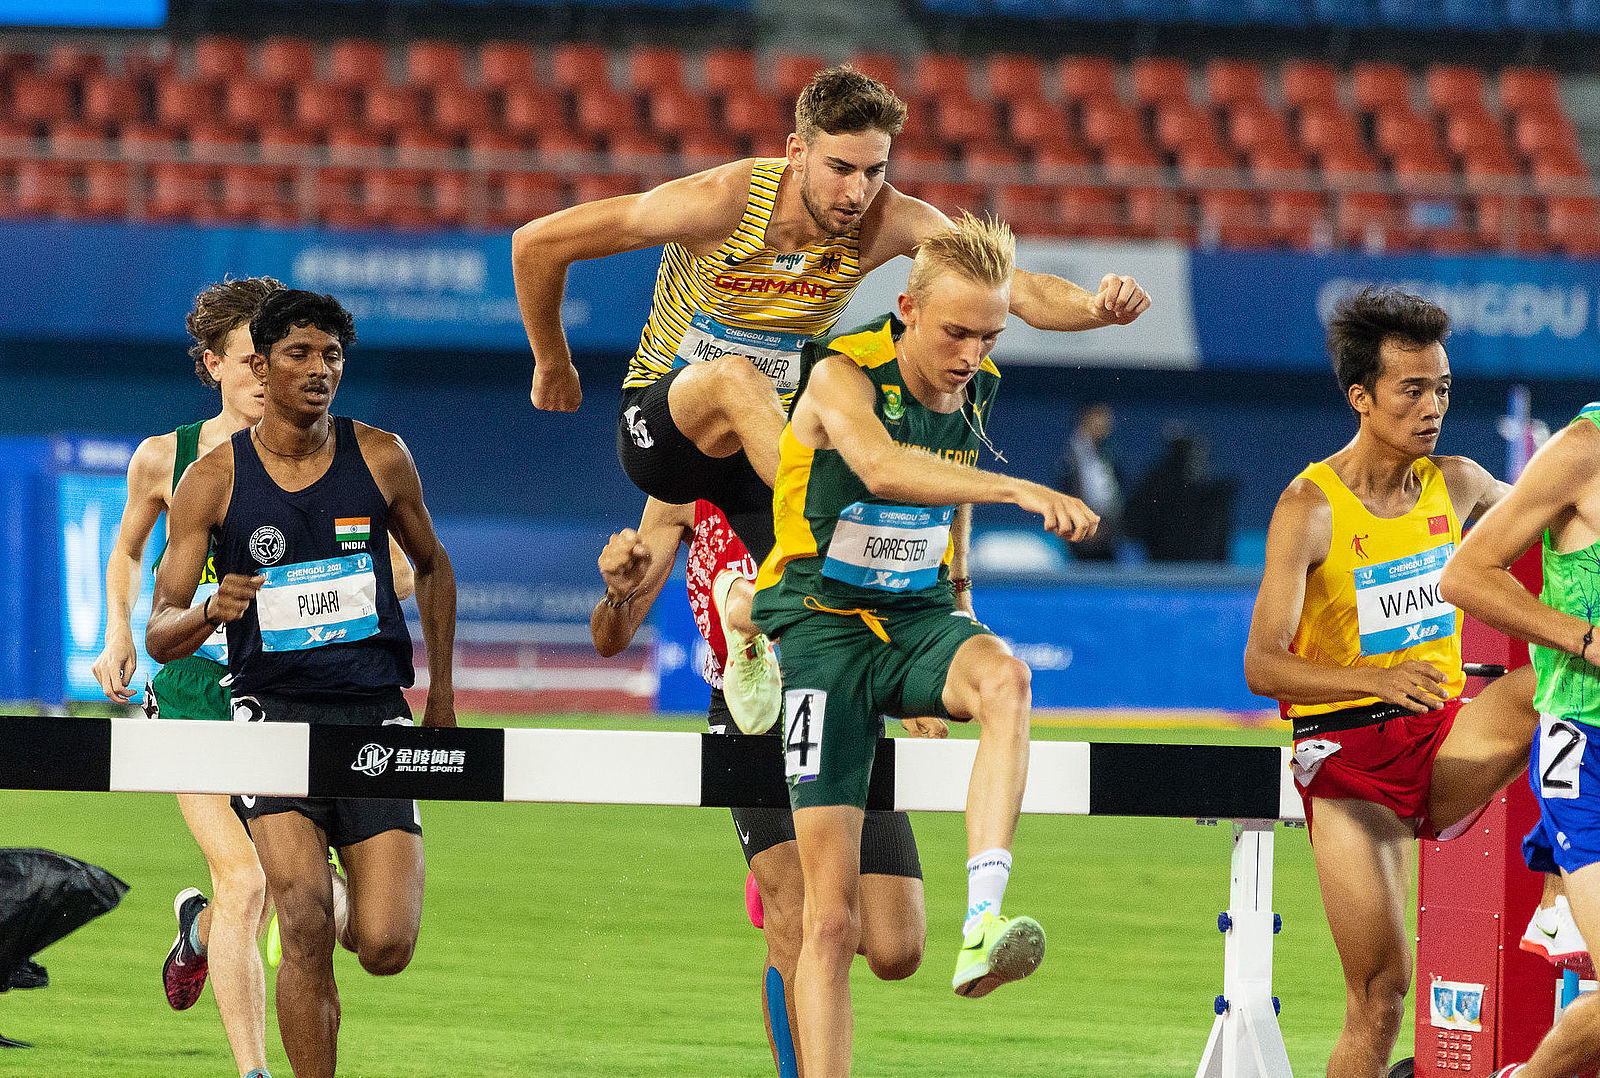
803	713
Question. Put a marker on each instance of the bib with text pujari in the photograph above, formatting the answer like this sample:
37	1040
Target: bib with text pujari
836	542
1374	601
313	604
745	298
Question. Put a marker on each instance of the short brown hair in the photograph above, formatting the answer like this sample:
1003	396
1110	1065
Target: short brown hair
1362	322
982	251
843	101
221	309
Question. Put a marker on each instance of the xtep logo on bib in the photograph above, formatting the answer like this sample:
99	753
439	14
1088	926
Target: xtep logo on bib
353	533
893	407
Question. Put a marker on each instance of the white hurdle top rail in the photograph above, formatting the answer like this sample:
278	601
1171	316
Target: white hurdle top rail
615	767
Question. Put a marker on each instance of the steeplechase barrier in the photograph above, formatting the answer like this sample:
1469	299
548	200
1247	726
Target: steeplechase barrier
1250	786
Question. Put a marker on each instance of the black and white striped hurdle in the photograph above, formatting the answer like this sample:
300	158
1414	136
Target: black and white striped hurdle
1250	786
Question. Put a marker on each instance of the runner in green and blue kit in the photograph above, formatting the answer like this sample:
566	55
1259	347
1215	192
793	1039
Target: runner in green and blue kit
1555	503
877	467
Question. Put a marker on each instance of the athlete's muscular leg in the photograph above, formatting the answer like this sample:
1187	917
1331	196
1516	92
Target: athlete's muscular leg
830	855
1485	749
1360	852
987	683
737	609
726	405
294	855
1573	1046
238	901
386	877
777	871
894	925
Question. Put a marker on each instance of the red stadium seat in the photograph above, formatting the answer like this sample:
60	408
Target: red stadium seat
952	198
40	99
1064	163
459	198
71	139
506	64
762	118
704	150
105	189
1560	173
1364	219
1424	171
74	62
178	192
146	142
1452	88
601	111
398	199
641	155
730	71
1086	77
937	75
1396	131
434	63
1184	124
251	104
655	67
1473	135
1574	225
519	197
1156	213
1030	209
992	164
286	60
423	150
1280	167
216	142
883	66
962	119
1539	136
1159	80
676	112
357	62
565	148
42	190
1014	77
1107	121
318	106
1036	123
1293	217
493	151
1092	212
352	152
791	72
1257	126
221	58
528	110
1349	167
460	110
1309	83
1379	87
1530	89
1328	129
182	103
1234	218
1130	163
388	108
110	99
595	186
253	192
1234	82
1205	165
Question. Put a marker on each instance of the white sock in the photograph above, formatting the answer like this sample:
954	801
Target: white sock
987	874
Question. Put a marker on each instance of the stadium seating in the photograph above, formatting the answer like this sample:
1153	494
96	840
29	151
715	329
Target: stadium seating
356	132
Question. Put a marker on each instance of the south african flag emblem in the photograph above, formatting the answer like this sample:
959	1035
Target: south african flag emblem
352	531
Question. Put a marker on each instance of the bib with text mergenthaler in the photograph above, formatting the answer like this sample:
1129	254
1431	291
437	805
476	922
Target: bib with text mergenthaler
776	355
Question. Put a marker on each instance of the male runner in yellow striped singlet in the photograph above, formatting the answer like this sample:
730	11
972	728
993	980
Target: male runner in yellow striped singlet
760	255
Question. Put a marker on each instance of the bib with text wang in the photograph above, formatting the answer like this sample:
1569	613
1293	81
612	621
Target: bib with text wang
888	547
776	355
1398	603
216	646
310	604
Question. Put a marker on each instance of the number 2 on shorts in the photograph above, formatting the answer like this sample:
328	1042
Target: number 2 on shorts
803	714
1561	747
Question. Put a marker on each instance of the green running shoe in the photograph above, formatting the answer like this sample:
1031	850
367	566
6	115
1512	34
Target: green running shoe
997	950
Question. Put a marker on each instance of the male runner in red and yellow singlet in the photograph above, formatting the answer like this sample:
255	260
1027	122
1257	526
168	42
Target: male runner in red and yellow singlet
1351	635
760	256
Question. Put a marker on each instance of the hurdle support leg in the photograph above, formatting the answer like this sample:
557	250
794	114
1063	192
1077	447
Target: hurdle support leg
1245	1041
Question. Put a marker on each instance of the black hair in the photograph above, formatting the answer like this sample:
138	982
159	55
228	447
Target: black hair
295	308
1362	322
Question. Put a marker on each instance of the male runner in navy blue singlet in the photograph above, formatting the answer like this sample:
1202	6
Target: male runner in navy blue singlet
301	506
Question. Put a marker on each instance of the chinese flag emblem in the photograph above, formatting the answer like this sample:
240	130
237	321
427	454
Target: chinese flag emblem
1438	525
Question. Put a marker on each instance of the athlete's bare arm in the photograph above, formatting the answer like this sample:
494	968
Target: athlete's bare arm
960	547
410	523
1559	491
405	578
635	565
896	225
179	625
1473	491
149	487
1298	540
699	211
835	412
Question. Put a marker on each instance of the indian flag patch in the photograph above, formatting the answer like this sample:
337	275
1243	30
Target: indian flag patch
352	532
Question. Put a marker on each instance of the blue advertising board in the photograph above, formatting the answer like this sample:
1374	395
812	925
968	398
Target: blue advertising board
122	14
1509	317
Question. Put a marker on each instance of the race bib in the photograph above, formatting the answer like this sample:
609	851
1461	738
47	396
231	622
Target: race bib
1561	749
216	646
1398	604
310	604
888	547
776	355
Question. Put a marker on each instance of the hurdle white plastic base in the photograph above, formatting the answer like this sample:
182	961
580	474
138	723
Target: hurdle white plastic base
1245	1040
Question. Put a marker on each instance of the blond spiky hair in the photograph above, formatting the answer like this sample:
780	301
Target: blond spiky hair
982	251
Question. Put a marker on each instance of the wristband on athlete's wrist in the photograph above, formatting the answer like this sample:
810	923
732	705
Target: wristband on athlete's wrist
1588	638
205	612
